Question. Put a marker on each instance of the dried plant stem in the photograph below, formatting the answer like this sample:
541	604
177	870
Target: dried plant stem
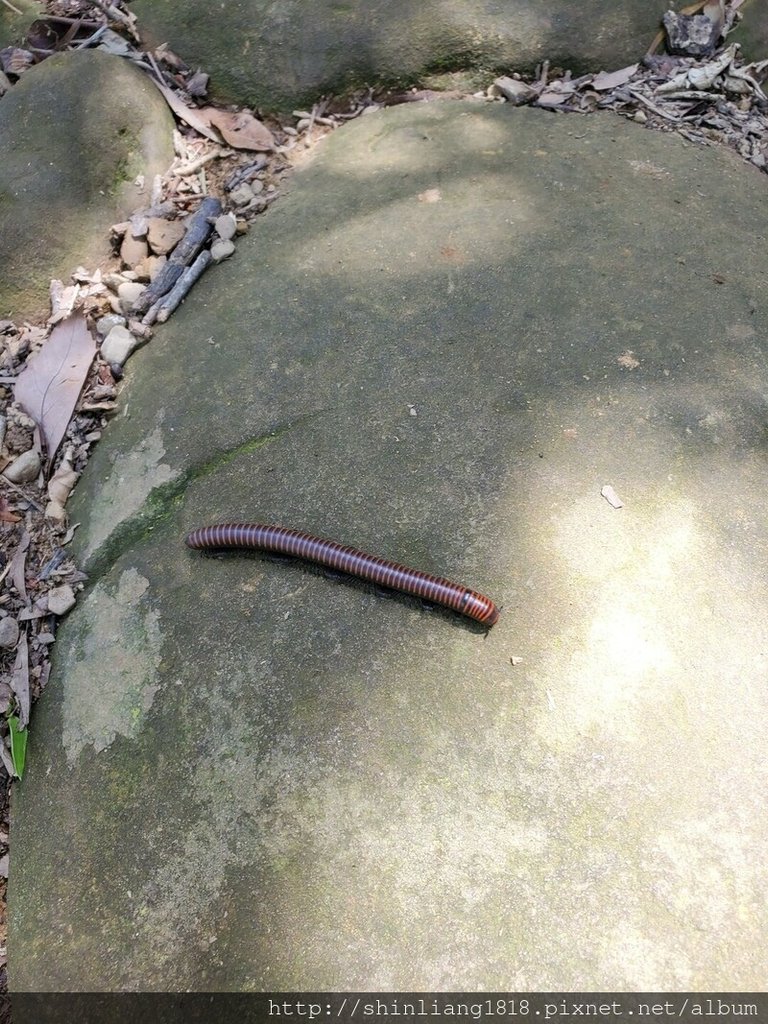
10	7
201	161
23	494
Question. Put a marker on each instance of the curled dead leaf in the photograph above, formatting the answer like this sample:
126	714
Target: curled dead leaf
240	129
59	487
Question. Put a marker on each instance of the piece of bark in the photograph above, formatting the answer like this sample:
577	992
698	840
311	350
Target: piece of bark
197	233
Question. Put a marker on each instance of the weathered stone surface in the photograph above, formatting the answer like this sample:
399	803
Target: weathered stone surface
77	130
752	32
459	326
13	26
277	55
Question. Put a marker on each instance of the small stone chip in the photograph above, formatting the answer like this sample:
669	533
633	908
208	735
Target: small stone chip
128	294
118	345
25	468
9	632
611	496
164	234
105	323
242	195
221	249
226	226
61	599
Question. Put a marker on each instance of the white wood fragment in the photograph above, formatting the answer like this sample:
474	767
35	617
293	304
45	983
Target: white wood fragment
611	496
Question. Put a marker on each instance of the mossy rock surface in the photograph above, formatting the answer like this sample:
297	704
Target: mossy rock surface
13	25
462	322
752	32
78	131
276	55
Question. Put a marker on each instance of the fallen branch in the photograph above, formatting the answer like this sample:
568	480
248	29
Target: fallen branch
170	302
194	165
200	227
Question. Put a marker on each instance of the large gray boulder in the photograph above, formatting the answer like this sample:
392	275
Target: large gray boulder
462	323
278	55
77	131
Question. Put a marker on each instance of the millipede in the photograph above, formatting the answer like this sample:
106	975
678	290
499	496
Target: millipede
349	560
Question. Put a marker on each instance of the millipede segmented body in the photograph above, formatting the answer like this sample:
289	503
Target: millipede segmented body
349	560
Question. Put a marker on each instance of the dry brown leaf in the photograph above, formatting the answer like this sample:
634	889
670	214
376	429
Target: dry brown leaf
613	79
167	56
63	300
14	61
5	696
50	384
16	567
240	129
7	515
7	759
59	486
20	680
188	114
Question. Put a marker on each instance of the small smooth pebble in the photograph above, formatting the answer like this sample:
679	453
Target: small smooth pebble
9	632
61	599
242	195
105	324
226	226
25	468
128	293
222	248
118	345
